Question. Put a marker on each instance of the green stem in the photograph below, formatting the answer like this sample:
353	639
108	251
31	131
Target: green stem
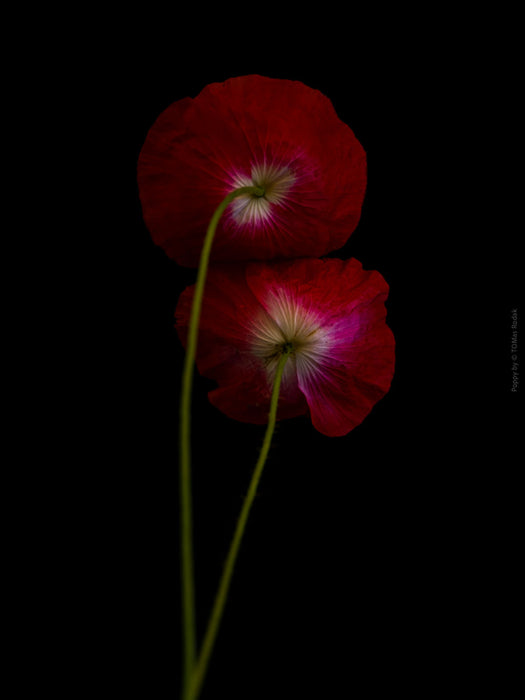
188	597
220	599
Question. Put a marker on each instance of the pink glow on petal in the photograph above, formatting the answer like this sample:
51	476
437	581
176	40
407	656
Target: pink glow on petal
341	394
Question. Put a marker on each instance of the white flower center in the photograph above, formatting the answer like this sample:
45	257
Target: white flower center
274	180
290	328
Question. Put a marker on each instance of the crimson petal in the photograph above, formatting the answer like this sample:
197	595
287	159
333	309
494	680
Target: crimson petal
232	133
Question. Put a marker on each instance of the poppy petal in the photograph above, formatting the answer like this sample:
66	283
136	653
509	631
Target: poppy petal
331	312
279	134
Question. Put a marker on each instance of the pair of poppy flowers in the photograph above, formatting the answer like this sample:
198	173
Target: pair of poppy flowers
268	289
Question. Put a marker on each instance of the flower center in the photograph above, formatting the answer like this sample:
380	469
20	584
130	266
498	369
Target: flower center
274	180
289	328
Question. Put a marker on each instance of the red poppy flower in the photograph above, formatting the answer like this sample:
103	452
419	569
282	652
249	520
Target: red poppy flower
330	312
277	134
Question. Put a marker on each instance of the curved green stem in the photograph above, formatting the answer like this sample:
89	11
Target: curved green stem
188	597
220	599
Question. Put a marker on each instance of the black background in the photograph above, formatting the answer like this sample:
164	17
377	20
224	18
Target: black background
380	561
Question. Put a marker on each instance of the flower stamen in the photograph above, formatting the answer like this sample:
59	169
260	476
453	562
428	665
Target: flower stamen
292	330
274	181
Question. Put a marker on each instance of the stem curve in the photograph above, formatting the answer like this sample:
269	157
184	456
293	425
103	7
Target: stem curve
188	595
